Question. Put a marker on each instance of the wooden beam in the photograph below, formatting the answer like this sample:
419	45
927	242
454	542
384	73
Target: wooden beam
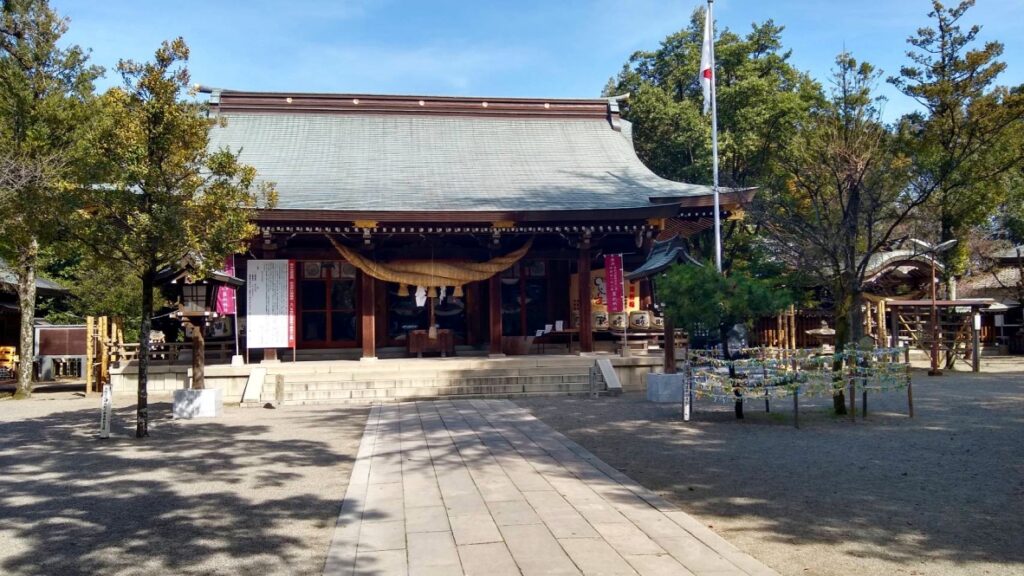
583	284
90	353
367	315
494	307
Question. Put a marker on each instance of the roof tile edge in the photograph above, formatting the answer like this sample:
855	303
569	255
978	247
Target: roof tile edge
297	102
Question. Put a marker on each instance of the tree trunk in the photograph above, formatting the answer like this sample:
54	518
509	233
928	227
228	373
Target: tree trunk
142	411
26	269
198	358
842	321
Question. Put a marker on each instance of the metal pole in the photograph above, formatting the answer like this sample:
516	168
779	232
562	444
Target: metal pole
625	312
976	342
714	142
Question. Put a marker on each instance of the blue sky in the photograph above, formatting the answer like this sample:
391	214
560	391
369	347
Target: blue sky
553	48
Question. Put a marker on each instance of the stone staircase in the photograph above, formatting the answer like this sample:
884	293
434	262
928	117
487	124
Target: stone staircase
354	382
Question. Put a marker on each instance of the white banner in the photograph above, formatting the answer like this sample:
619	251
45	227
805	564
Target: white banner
270	304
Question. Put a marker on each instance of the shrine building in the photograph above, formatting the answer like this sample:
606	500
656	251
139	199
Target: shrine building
475	216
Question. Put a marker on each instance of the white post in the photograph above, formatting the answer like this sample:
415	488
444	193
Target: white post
106	408
714	141
687	399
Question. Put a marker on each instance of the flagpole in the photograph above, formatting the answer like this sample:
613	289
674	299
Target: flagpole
714	140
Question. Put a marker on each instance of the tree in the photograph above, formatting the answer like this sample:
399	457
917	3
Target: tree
44	94
970	134
840	196
699	298
165	194
762	101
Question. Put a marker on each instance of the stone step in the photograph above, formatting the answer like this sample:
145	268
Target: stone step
412	398
435	382
436	373
412	390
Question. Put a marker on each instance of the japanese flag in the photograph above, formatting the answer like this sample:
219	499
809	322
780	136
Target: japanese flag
707	61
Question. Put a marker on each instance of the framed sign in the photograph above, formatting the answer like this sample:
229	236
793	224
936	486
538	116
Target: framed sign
270	312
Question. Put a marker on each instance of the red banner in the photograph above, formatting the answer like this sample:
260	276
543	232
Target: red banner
226	294
613	284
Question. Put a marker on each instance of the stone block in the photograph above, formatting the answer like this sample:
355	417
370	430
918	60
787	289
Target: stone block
207	403
665	388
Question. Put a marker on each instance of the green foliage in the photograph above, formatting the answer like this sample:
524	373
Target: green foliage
762	99
165	195
45	96
841	193
971	134
699	298
96	288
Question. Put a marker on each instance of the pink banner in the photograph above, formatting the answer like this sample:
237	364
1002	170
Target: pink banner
613	281
226	294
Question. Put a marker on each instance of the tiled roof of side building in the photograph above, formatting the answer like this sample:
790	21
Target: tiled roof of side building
403	161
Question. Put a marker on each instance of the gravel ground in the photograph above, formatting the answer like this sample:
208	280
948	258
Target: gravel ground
940	494
254	492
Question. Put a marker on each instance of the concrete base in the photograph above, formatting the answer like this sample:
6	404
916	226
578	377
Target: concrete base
238	360
665	388
207	403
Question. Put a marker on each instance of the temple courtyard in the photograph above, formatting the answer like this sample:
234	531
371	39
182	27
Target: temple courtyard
536	486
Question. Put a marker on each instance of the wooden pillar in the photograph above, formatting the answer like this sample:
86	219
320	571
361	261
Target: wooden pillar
104	352
90	354
367	316
198	356
894	328
780	333
869	323
494	307
670	346
882	336
583	284
792	327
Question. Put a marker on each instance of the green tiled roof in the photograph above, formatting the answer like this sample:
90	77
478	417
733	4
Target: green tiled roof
428	163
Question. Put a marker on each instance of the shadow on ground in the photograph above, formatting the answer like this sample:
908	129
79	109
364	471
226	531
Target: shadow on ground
259	494
945	489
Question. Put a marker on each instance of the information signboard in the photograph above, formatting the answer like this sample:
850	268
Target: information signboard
270	304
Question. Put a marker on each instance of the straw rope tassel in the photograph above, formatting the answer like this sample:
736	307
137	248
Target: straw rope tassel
427	273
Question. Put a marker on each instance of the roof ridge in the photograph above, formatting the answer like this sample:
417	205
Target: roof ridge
271	102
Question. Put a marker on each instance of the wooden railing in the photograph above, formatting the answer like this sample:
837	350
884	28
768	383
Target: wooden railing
172	352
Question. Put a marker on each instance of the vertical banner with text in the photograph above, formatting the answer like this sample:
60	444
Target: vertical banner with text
613	282
226	294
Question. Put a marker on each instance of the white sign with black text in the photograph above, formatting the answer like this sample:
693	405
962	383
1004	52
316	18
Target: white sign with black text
270	304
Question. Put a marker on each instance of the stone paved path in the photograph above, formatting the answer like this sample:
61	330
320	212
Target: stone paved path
483	487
